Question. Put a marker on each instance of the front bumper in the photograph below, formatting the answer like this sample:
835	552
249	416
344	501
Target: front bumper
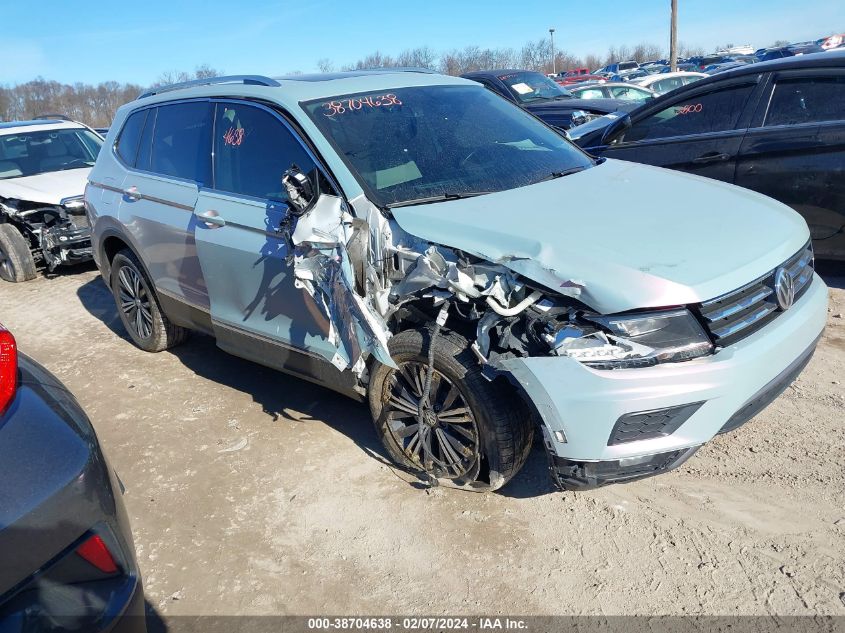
66	245
580	406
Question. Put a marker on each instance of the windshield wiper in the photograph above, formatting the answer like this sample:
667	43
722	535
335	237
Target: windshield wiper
438	198
561	174
74	165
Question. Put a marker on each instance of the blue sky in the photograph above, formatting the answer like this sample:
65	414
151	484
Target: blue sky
136	41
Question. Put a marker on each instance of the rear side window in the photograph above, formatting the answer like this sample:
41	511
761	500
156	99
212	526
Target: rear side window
711	112
629	94
665	85
127	143
145	145
807	100
591	93
181	143
252	150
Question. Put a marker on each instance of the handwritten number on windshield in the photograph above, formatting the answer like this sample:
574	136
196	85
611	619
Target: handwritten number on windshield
334	108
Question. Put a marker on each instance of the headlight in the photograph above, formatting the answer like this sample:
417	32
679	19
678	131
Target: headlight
637	340
74	203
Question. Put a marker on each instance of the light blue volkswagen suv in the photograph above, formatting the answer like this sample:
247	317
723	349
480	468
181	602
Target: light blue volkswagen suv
415	241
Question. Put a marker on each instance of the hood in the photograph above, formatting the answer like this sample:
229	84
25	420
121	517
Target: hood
49	188
634	236
568	105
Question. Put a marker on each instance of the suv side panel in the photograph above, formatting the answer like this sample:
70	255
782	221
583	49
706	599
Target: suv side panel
244	257
159	198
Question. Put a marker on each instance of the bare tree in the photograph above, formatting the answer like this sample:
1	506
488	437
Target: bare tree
91	104
689	51
203	71
422	57
206	72
536	55
593	62
325	65
646	51
373	60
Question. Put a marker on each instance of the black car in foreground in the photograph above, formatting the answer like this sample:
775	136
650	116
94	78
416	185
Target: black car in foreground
544	98
775	127
67	562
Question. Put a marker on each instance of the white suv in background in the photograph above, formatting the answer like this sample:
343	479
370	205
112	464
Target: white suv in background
44	166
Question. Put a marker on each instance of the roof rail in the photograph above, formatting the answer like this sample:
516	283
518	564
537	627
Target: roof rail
53	115
398	69
253	80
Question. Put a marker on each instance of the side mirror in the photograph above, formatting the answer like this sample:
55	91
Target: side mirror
301	189
621	124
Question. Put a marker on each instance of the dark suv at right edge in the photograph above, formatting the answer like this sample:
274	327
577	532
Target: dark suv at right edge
775	127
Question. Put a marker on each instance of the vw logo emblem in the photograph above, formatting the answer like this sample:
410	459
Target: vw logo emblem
784	288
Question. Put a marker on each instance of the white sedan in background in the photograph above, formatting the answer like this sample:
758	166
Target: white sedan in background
664	82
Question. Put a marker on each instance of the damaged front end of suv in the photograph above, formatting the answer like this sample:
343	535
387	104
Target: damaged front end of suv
375	281
472	303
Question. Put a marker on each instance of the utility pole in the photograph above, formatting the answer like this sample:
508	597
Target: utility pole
673	38
554	58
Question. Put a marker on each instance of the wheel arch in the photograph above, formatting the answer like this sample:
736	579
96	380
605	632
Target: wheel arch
111	241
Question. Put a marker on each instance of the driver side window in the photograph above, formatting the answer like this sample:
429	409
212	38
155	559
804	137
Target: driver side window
252	150
702	114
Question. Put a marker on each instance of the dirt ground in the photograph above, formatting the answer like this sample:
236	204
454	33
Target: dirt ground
254	493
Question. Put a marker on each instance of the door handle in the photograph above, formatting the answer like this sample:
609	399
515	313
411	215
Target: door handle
132	193
211	219
711	157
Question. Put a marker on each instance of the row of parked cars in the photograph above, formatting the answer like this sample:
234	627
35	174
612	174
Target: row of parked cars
710	64
437	248
688	69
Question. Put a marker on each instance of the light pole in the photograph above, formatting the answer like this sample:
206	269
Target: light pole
554	59
673	37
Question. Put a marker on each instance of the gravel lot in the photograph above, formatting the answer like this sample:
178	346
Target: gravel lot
254	493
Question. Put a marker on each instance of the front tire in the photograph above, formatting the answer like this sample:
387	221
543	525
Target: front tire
138	306
16	262
472	431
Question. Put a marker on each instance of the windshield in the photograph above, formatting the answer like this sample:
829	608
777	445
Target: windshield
530	86
413	144
30	153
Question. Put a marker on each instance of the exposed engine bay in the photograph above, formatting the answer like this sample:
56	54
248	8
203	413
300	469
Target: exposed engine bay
57	234
371	279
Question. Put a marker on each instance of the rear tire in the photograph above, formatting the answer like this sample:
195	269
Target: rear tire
16	262
481	431
139	308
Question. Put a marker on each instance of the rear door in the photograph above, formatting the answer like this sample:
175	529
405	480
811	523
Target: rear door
159	193
257	309
795	151
699	132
